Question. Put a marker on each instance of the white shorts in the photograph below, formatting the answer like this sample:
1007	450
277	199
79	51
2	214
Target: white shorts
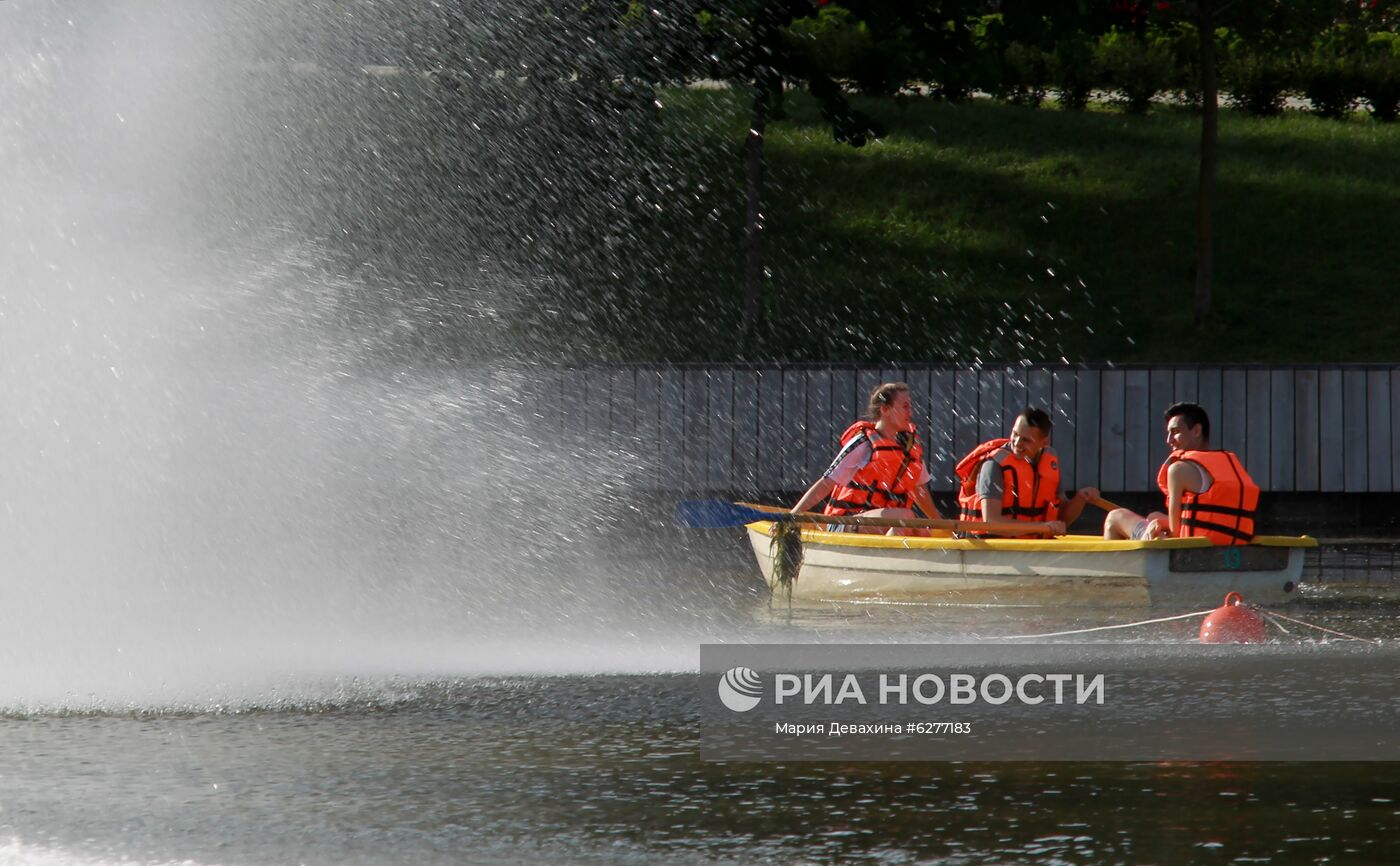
1142	530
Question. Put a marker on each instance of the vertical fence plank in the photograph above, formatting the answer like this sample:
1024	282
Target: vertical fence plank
1063	411
671	387
1013	396
1111	429
1137	432
1228	424
745	433
647	430
918	381
819	423
1258	420
1186	386
623	423
965	409
989	420
1039	389
539	405
597	384
1354	430
1281	431
867	381
1378	432
1088	444
1307	432
1395	430
1332	473
695	440
1162	397
1210	388
942	423
768	471
573	405
719	459
794	444
846	405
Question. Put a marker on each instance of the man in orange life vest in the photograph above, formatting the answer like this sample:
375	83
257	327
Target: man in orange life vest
1019	479
1209	493
880	470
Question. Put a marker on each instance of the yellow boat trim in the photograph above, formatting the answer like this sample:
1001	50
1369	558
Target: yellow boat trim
1063	544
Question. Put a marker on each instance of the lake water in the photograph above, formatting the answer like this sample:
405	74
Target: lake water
600	765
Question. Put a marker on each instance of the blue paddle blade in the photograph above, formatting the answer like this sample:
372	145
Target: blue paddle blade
715	514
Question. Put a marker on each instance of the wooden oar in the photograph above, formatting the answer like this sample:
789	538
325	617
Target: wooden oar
718	514
1100	502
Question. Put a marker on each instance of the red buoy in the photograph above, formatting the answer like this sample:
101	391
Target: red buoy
1232	622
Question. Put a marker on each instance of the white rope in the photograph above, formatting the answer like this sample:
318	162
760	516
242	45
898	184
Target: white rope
1101	627
1320	628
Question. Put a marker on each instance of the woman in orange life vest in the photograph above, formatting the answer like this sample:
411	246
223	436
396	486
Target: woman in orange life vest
880	470
1018	479
1209	493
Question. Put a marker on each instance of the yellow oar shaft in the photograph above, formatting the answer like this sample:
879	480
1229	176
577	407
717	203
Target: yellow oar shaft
1017	527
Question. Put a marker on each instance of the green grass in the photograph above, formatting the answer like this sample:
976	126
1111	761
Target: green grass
991	231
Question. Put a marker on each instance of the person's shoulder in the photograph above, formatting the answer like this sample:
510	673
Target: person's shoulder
1186	470
990	470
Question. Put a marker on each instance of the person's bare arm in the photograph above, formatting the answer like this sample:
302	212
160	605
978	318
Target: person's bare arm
924	500
991	511
815	494
1074	506
1182	476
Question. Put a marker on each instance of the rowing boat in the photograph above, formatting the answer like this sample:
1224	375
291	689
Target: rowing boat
1070	570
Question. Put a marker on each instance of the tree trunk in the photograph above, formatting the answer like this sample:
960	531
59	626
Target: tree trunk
753	193
1205	199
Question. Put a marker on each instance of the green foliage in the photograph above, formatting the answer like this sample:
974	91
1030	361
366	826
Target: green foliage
1073	72
1257	82
1025	74
1378	82
1329	82
834	40
938	242
1383	43
1182	39
1138	67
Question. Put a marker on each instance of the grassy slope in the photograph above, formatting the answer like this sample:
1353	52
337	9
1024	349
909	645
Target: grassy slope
964	221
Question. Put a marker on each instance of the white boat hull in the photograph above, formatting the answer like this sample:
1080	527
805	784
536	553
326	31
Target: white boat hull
1074	570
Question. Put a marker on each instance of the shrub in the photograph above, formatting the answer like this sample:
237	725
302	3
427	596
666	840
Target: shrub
1072	71
1257	82
1025	73
1137	68
1329	84
1378	82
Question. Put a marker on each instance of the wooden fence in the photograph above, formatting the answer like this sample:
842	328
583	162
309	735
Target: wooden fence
1332	428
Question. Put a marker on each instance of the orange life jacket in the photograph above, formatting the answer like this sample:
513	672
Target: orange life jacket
1225	512
1028	492
886	480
